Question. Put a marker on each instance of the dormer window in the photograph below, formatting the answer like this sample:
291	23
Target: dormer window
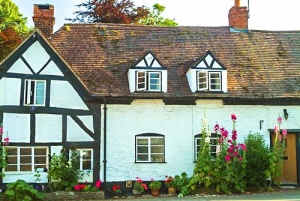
148	75
208	75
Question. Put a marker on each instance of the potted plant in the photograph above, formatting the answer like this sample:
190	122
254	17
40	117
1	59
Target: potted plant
139	187
171	185
116	191
155	187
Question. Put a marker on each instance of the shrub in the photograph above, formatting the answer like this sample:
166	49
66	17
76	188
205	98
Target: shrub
182	184
257	161
21	191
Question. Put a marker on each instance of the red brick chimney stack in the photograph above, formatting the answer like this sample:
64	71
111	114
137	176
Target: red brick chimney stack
43	18
238	16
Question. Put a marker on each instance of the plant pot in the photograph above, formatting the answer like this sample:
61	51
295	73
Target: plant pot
115	197
171	190
136	193
155	192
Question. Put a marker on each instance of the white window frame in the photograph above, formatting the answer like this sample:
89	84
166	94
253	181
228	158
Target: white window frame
33	164
31	92
146	80
149	146
81	159
210	81
198	79
197	146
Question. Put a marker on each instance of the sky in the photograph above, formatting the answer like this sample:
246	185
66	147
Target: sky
264	14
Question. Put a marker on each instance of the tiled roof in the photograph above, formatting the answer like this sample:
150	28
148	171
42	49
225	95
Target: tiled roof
261	64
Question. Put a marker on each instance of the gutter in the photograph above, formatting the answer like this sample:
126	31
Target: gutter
104	142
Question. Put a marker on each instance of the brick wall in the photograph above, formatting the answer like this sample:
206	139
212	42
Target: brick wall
43	18
238	17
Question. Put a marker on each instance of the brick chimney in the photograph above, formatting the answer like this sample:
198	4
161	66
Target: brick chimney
43	18
238	17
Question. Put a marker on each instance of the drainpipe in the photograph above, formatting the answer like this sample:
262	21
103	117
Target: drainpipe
104	142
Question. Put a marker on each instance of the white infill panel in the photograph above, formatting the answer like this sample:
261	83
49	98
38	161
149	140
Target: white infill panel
63	95
48	128
12	90
36	56
19	67
16	127
52	69
77	134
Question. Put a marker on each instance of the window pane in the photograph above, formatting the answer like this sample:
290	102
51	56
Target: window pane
215	81
202	80
40	151
142	141
142	157
11	168
25	167
39	160
40	91
86	165
141	80
156	158
156	141
86	154
154	81
25	159
157	149
12	160
12	151
25	151
143	149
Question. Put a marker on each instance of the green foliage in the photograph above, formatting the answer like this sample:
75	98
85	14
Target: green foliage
138	186
21	191
155	185
276	153
3	152
12	27
257	161
154	17
182	184
204	170
64	173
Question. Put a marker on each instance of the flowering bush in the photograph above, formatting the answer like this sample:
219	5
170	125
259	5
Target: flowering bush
170	182
116	189
87	187
3	153
139	185
226	171
275	158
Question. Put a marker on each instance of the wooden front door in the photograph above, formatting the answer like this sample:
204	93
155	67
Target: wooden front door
289	170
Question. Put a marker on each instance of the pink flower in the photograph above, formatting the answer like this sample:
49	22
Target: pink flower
233	117
225	133
227	158
6	141
279	138
234	134
235	153
1	130
279	119
240	159
217	127
276	129
284	132
242	146
98	184
229	150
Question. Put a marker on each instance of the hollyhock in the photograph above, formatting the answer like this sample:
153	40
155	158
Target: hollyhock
217	127
227	157
284	132
233	117
279	119
98	184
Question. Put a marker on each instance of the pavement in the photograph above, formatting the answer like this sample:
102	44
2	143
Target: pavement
285	194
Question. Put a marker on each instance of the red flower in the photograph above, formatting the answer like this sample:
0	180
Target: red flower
227	157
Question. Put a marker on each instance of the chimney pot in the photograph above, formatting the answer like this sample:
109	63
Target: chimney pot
237	3
43	18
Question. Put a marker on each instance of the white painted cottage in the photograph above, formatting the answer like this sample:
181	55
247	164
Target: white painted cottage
131	98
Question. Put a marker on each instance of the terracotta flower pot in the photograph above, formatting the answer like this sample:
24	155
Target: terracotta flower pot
155	192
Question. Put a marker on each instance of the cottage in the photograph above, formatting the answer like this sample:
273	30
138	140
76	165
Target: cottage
131	98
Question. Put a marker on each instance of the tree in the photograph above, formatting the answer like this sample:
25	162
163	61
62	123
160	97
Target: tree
13	27
109	11
154	17
120	12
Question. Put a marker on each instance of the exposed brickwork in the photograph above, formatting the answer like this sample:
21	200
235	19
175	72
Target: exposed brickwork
238	17
43	18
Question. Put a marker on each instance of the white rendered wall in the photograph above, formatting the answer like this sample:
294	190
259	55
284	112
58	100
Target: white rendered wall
179	125
63	95
17	127
48	128
9	96
75	133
